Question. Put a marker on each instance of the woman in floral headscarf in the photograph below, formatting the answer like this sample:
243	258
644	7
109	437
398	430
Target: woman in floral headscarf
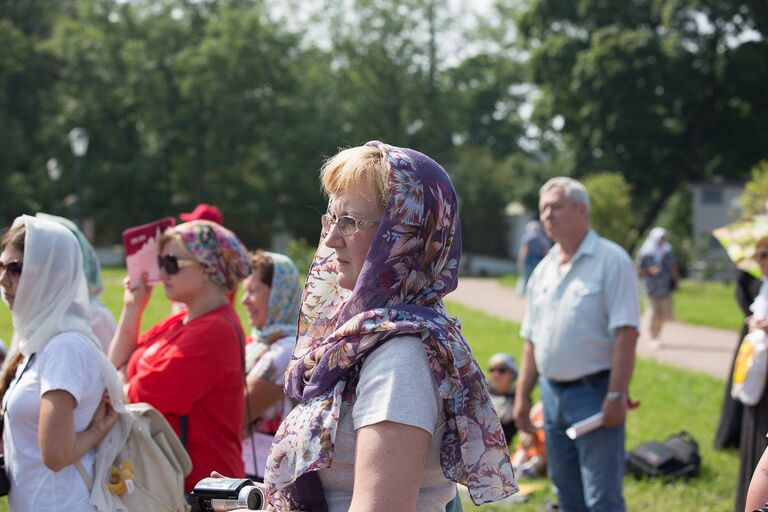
393	407
189	366
272	297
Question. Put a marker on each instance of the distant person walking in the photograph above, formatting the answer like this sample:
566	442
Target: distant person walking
581	327
533	247
657	265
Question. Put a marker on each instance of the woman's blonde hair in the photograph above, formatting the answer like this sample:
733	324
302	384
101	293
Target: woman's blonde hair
354	166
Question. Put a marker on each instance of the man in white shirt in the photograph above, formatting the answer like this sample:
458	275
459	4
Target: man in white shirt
581	327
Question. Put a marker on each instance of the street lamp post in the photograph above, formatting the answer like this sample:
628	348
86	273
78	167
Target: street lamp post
54	173
78	141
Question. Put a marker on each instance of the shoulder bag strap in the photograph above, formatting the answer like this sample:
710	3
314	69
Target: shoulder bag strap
245	384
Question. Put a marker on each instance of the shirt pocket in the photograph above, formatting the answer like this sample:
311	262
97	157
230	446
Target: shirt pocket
586	299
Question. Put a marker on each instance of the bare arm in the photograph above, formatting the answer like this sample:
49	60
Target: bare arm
262	394
389	467
127	333
526	381
757	494
60	446
622	366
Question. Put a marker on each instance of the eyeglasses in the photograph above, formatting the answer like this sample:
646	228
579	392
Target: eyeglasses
762	254
171	265
347	225
12	267
498	370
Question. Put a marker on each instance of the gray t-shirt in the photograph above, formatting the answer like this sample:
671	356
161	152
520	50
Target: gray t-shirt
396	385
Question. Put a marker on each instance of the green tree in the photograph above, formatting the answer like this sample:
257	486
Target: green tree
755	196
611	212
662	92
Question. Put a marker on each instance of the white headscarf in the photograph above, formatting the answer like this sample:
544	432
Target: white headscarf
651	245
52	296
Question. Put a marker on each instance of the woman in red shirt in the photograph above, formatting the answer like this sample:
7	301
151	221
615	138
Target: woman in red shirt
189	365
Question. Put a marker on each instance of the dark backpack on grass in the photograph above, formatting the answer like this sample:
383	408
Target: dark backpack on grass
677	457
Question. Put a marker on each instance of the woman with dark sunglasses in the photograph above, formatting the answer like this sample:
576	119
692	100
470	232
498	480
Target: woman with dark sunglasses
58	388
189	365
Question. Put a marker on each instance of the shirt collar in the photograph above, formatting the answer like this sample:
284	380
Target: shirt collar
586	247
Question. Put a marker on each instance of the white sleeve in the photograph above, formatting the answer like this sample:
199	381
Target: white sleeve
68	364
622	293
396	384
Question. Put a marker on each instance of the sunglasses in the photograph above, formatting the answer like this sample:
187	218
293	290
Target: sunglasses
761	255
171	265
347	225
498	370
12	267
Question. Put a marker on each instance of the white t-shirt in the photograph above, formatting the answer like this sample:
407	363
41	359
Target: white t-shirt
66	363
396	385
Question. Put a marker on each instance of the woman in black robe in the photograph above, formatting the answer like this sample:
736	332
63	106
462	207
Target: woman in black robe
729	427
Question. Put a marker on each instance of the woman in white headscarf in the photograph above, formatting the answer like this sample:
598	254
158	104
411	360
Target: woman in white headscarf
58	387
657	265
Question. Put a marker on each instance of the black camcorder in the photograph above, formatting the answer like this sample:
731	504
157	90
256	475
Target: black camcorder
223	494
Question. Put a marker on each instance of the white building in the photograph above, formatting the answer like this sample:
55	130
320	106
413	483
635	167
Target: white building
715	204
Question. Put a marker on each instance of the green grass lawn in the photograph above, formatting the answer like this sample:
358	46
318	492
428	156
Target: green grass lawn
705	303
672	400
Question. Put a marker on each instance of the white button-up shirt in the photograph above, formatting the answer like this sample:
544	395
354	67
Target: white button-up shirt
571	319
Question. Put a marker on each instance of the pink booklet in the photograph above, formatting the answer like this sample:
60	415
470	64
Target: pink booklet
141	249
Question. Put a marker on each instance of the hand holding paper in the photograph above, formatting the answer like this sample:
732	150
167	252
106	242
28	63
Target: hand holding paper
141	250
593	422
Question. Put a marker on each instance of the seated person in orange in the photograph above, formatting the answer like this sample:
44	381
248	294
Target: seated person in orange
530	457
190	365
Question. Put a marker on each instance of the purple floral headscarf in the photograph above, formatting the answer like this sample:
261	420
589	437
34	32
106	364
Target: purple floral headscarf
217	249
412	264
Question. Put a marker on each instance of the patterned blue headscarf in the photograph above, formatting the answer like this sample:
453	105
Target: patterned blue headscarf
282	309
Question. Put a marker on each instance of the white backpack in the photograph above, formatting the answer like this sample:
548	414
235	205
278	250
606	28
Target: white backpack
140	465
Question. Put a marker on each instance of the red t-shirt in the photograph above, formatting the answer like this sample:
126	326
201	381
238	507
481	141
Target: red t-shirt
195	370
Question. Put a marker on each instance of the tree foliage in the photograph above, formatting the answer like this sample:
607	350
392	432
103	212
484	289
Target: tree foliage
754	199
662	92
611	213
237	102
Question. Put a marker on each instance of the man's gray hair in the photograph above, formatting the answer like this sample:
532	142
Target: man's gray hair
573	189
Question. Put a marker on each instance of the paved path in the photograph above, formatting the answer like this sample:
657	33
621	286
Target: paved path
686	346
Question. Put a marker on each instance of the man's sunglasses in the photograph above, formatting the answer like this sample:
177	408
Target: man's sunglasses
171	265
12	267
761	255
498	370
